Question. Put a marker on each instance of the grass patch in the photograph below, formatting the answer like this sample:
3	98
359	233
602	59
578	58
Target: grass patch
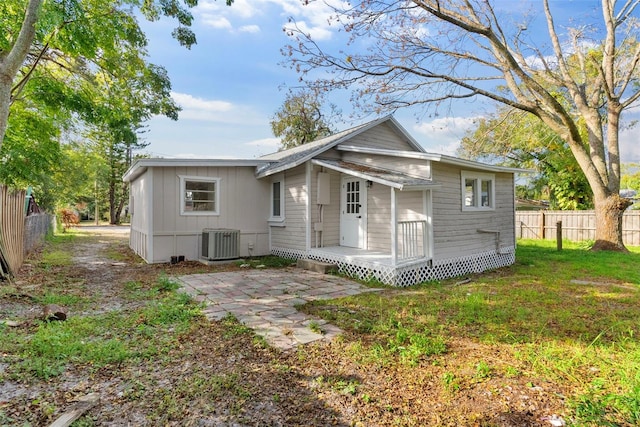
56	258
98	341
268	261
570	317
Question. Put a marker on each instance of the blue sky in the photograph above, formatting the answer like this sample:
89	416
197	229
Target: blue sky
232	82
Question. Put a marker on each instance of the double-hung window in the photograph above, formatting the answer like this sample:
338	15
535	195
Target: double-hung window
199	195
276	213
478	191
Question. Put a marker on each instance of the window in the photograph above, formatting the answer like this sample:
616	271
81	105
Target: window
277	199
199	195
478	191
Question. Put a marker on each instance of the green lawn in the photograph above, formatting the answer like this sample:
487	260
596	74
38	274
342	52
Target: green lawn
567	321
571	317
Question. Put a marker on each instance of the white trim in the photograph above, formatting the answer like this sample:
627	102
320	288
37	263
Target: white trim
372	178
149	229
478	178
141	165
307	212
330	142
357	174
391	153
181	195
394	227
277	221
432	157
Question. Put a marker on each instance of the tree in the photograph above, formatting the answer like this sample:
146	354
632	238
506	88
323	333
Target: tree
301	120
38	31
425	52
518	139
83	68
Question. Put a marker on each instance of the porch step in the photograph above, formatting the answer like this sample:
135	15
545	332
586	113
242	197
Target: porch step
317	266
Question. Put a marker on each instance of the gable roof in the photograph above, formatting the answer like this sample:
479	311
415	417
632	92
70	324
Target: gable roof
287	159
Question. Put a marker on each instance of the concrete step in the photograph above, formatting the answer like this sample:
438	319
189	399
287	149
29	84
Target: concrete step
317	266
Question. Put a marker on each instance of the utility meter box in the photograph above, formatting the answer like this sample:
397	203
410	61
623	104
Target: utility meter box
324	188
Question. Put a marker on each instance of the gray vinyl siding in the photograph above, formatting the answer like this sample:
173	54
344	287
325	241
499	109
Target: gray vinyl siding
139	199
243	205
412	167
330	213
293	234
382	136
331	154
409	207
379	218
455	232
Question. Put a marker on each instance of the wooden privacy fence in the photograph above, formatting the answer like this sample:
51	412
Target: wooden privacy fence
576	225
11	230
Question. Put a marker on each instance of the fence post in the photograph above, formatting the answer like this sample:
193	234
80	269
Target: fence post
542	224
559	235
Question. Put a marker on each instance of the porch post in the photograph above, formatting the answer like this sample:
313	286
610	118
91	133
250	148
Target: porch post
425	251
394	228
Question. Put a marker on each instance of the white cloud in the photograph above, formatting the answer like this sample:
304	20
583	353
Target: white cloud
253	29
443	135
201	109
218	22
312	17
240	8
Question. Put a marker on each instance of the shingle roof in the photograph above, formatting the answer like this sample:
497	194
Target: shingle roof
292	157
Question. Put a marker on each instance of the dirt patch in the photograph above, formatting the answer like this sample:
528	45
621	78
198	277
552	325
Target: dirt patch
219	374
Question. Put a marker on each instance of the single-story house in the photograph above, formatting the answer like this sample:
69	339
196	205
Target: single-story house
369	199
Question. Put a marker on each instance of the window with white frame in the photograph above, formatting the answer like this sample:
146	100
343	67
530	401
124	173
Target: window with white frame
478	191
199	195
277	199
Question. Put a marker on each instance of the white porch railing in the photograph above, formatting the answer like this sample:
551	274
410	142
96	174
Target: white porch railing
411	240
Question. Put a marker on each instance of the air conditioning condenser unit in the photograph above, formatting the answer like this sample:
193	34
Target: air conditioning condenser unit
219	244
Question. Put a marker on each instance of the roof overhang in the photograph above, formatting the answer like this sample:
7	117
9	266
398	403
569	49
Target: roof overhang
294	157
390	178
433	157
140	166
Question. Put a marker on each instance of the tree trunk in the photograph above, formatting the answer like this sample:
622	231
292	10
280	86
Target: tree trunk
113	216
5	102
12	60
609	213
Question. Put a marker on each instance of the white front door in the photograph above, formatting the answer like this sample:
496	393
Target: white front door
353	213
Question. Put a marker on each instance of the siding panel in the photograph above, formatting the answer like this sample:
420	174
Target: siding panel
456	231
243	204
379	218
412	167
382	136
292	235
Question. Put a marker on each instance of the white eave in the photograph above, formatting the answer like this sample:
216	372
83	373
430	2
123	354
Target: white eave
140	166
293	157
390	178
434	157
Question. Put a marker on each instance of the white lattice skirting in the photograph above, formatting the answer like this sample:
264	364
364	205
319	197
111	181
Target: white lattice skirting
410	273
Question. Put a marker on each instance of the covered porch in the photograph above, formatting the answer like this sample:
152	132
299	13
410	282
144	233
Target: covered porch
384	222
368	264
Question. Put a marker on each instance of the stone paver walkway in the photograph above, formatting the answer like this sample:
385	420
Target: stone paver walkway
265	301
